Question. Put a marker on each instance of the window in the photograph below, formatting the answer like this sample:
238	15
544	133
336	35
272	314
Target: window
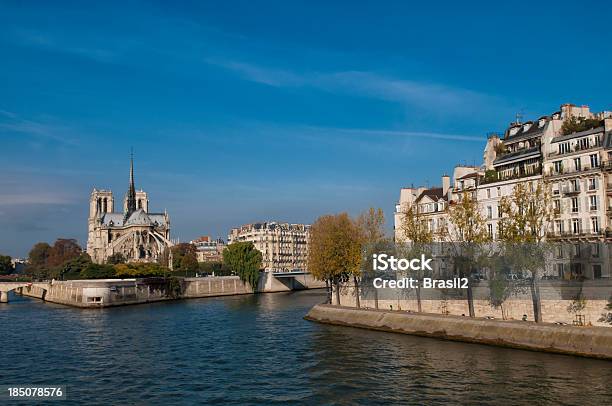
564	147
595	224
583	143
577	250
490	230
576	269
557	166
498	191
577	164
560	270
488	193
576	226
559	227
575	184
593	202
559	251
595	250
489	212
574	205
557	206
596	271
594	160
592	184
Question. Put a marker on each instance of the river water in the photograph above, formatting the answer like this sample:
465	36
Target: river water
257	349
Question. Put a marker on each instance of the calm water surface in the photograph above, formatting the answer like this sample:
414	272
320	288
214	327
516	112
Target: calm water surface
259	350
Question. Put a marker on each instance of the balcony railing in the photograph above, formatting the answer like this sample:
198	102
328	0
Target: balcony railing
499	177
575	148
569	171
583	232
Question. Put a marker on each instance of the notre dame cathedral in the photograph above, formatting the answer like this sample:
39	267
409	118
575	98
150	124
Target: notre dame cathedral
137	234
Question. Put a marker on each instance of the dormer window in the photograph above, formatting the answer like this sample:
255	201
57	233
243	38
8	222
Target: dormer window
526	127
541	122
513	130
564	147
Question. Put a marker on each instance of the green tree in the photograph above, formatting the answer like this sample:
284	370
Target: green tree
116	258
72	268
189	265
371	224
576	124
417	239
37	260
214	268
179	252
98	271
414	227
468	236
6	266
334	251
139	269
245	260
524	218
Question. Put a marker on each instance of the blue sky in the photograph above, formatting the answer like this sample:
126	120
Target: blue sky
251	111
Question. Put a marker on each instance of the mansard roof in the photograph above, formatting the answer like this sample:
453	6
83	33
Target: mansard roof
434	194
578	134
533	131
469	176
518	155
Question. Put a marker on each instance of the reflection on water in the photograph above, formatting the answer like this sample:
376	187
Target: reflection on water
258	350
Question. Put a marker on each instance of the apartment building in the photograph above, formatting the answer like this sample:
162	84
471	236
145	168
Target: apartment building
576	166
209	250
284	246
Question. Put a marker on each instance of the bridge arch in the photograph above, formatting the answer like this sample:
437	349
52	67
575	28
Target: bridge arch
6	287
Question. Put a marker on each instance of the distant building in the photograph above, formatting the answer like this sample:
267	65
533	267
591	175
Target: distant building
136	233
19	264
209	250
284	246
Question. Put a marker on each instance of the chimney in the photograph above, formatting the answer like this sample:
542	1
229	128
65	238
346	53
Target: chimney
445	184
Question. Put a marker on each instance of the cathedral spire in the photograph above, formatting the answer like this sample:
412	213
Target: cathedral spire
131	199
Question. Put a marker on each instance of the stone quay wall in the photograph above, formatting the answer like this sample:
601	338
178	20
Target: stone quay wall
556	297
119	292
593	342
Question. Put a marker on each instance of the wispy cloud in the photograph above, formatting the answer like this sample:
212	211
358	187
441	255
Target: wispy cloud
51	43
11	124
33	198
23	188
368	84
411	134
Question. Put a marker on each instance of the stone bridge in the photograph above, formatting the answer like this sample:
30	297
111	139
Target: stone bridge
6	287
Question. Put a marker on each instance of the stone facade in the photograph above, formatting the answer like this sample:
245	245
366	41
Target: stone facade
208	250
577	168
135	233
284	246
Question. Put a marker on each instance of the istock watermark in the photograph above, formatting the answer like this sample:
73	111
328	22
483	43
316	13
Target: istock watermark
384	262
